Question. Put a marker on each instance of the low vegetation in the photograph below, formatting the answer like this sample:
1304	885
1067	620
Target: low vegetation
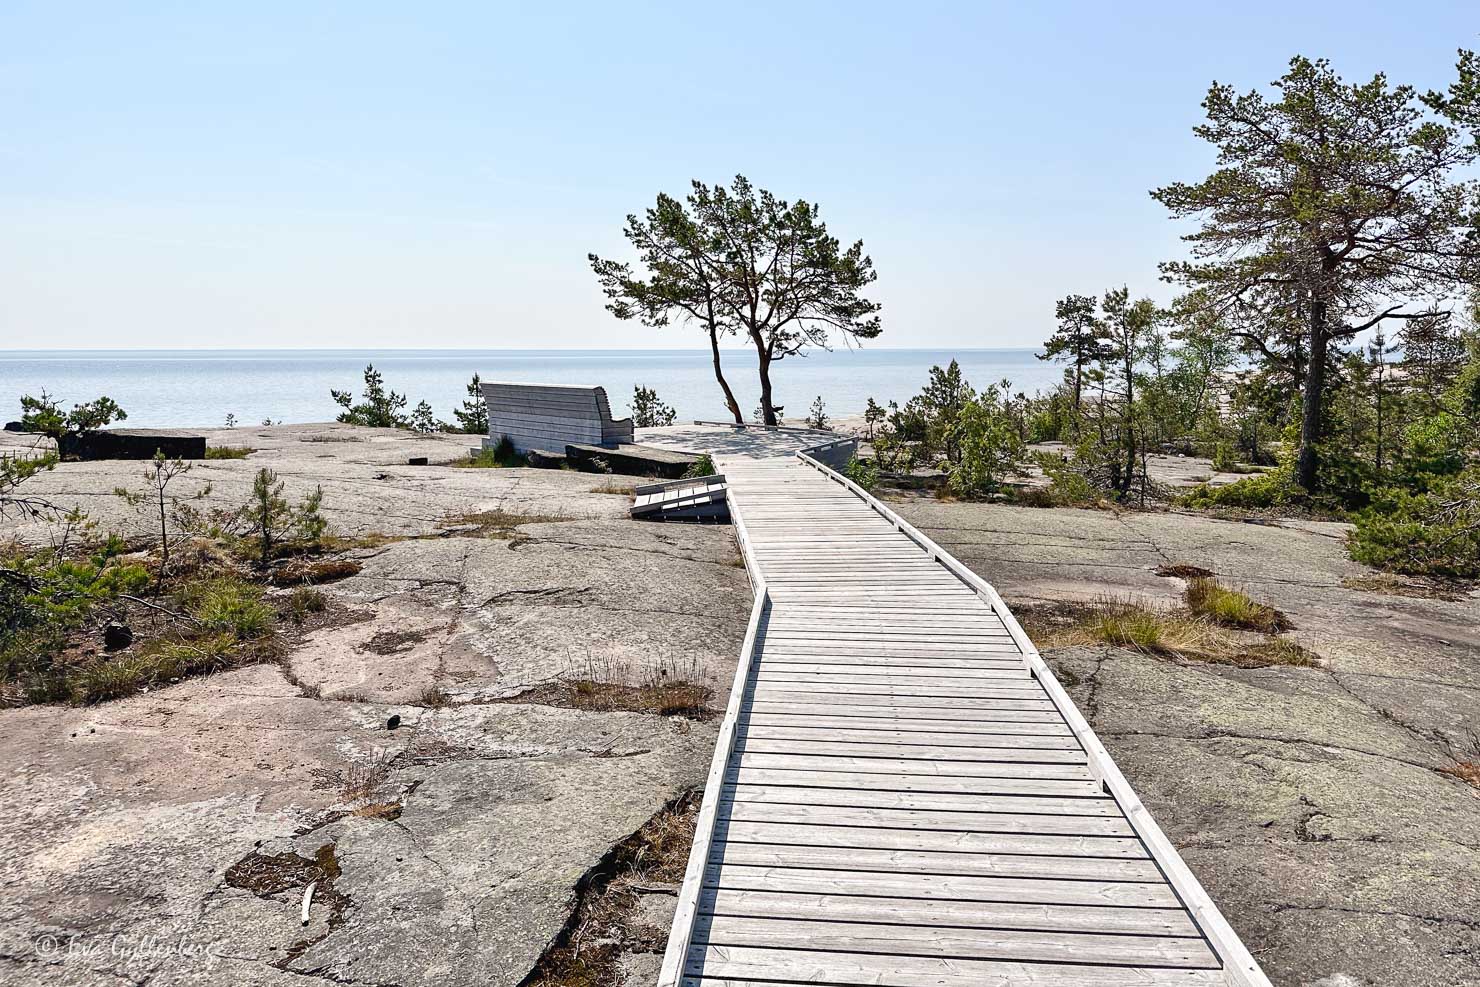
1209	599
669	687
228	452
501	456
1178	634
497	523
87	618
380	407
648	411
703	466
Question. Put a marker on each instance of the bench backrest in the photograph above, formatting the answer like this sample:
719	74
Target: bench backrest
550	416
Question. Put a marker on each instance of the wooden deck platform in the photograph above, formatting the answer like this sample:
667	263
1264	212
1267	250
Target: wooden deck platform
903	795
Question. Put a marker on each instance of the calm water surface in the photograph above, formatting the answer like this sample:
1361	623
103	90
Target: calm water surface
201	387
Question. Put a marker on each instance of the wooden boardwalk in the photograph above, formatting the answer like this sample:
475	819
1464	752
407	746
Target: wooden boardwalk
903	795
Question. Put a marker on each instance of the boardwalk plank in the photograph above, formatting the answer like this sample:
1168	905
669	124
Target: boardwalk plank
903	803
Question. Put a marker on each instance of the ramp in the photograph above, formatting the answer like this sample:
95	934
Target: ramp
702	498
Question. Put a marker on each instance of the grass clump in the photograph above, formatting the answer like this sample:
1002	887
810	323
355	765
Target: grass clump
1208	598
230	605
159	664
1167	633
306	600
228	452
434	697
1132	627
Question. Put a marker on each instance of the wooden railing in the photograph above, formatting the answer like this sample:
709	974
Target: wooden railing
681	936
1239	967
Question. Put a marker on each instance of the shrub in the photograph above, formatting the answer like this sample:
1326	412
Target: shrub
1436	533
266	513
990	447
230	605
1224	459
1276	488
422	420
472	417
228	452
703	466
379	409
44	415
864	472
45	597
309	523
817	416
648	411
1068	485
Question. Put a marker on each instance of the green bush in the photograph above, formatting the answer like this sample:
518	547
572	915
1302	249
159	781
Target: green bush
703	466
989	443
1435	533
228	452
1273	489
44	598
864	472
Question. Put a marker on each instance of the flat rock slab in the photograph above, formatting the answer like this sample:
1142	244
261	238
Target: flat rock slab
459	837
368	486
502	809
1319	826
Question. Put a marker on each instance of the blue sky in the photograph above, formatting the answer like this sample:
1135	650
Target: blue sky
372	175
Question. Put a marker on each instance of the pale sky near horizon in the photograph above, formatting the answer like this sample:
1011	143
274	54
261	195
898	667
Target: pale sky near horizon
433	175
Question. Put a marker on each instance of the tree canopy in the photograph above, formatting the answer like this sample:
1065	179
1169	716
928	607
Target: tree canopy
739	260
1333	209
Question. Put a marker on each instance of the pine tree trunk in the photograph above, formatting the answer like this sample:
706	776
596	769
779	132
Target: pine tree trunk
719	375
1311	397
763	355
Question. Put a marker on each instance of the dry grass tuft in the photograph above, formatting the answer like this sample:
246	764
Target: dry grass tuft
498	523
313	572
613	487
1231	608
1174	634
671	687
1275	651
1418	587
394	642
434	697
1466	771
363	779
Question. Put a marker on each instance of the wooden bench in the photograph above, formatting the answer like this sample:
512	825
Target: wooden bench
549	417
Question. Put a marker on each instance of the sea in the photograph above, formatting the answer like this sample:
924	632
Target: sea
200	388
